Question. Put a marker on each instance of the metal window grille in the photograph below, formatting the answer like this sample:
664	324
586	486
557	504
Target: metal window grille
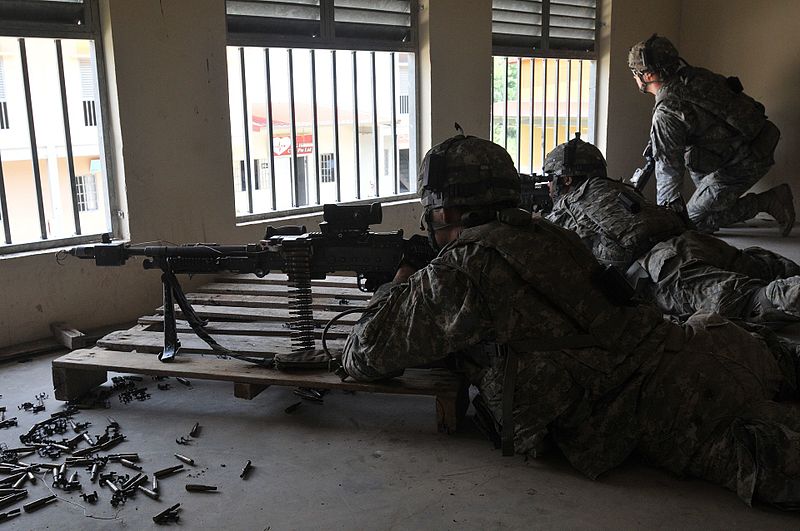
86	192
4	123
311	78
45	44
545	28
538	103
327	168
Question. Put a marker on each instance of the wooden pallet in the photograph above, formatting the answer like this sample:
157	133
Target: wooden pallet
248	315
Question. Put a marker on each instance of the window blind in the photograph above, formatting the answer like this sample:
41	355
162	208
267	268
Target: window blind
350	24
45	18
544	27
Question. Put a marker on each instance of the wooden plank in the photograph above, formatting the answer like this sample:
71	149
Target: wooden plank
153	342
247	288
256	328
431	382
246	390
71	338
236	313
24	350
69	384
336	281
260	301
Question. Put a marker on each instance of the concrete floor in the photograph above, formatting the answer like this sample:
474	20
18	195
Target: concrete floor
361	461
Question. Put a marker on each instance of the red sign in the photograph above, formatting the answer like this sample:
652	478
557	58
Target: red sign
282	145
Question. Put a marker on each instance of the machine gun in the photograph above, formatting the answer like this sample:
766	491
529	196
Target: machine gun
535	193
643	175
343	243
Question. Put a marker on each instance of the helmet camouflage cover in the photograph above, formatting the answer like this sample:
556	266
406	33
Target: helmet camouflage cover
656	54
466	171
575	158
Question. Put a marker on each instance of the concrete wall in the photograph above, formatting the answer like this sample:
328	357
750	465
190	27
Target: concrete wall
455	65
758	42
623	112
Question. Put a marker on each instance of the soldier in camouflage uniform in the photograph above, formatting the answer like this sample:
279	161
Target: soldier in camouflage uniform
598	379
681	271
706	123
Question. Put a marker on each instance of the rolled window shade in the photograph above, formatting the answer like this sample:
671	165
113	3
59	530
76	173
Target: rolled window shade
44	17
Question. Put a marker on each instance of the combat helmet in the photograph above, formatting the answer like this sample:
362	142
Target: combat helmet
470	172
656	54
575	158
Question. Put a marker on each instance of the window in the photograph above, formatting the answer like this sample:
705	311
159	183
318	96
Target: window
317	92
543	79
87	90
327	168
4	124
86	186
53	181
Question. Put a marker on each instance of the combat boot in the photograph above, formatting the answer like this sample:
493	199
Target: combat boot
778	202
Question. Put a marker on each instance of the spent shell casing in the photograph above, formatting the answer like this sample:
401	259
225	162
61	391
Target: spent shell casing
154	484
129	464
195	431
13	498
95	470
245	469
196	487
184	381
20	482
167	512
88	438
147	492
38	504
164	472
187	460
9	515
110	485
128	484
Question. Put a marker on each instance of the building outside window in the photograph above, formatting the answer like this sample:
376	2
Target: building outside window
53	181
544	76
316	93
86	192
327	168
87	90
4	123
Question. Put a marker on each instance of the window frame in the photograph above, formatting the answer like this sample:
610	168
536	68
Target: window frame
545	52
327	41
31	24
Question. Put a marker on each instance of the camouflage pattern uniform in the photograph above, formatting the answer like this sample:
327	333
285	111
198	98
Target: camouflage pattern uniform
689	271
706	123
695	399
727	150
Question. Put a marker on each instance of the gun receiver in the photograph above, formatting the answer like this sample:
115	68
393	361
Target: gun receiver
343	243
535	193
642	175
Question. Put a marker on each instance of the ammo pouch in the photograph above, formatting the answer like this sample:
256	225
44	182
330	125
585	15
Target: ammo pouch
763	145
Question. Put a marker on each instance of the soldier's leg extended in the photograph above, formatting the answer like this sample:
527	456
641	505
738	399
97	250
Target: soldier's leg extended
718	202
698	272
757	455
710	411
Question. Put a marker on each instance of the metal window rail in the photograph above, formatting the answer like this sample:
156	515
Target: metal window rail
77	19
299	196
561	101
